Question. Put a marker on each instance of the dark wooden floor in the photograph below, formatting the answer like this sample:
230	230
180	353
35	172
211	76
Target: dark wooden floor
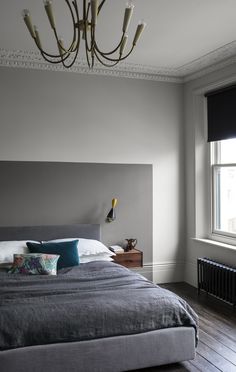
216	349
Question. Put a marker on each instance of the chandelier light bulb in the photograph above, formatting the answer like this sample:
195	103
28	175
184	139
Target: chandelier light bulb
25	13
37	38
142	22
141	26
61	45
123	44
27	20
47	2
130	4
48	8
127	16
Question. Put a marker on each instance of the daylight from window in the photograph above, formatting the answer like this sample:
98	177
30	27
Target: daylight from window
224	182
228	151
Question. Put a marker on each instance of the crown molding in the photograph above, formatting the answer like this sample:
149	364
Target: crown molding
33	60
207	70
213	61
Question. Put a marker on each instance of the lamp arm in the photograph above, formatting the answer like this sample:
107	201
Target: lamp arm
73	60
101	5
76	25
87	50
44	55
113	51
117	59
103	63
72	47
92	44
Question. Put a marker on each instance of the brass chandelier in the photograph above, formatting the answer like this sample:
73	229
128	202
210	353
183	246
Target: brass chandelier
84	26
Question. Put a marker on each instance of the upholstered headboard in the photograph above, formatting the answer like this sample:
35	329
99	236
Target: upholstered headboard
88	231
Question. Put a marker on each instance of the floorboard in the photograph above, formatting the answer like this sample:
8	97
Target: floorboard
216	349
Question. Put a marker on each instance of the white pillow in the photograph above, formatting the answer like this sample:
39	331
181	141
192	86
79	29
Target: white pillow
93	257
88	247
8	248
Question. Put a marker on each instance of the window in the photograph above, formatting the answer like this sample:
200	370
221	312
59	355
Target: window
223	170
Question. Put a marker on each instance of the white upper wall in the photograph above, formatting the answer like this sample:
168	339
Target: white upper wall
197	185
57	116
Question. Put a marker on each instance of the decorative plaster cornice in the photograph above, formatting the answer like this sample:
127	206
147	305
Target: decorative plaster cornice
213	61
219	58
23	59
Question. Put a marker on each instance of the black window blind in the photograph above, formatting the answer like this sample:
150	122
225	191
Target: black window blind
221	114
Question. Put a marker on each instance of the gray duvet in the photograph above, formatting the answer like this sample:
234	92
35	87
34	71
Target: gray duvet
92	300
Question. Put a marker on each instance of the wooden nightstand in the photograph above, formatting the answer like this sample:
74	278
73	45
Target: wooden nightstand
132	258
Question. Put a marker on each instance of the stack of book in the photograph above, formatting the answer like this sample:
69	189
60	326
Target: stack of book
116	249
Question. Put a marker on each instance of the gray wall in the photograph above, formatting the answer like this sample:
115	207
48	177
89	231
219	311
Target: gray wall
45	193
67	117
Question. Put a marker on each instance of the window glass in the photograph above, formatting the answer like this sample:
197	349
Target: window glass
223	162
225	199
227	151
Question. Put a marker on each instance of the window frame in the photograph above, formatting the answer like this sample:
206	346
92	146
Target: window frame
216	234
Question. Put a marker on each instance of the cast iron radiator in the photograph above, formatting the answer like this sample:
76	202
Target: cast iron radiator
217	279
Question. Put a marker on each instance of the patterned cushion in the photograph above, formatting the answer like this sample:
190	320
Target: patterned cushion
35	264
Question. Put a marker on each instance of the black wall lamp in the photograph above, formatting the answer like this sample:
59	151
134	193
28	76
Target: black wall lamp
112	214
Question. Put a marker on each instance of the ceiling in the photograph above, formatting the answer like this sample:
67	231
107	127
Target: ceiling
182	37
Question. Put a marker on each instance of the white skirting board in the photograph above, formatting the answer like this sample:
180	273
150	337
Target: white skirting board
163	272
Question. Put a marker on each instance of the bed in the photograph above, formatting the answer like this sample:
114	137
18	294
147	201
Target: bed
118	329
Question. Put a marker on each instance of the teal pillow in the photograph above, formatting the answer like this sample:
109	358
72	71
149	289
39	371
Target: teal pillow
68	251
34	264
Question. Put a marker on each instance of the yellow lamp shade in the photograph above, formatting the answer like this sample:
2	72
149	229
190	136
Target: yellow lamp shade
114	202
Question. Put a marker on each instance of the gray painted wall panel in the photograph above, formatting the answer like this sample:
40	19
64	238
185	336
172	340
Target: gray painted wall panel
48	193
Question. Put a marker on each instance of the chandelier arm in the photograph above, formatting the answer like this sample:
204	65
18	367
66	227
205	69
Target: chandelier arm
101	5
118	59
113	51
75	22
92	44
85	19
87	58
70	49
73	60
62	59
84	9
65	56
89	49
44	53
53	61
118	46
88	7
103	63
75	55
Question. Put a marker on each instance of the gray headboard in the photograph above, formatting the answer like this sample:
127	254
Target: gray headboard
88	231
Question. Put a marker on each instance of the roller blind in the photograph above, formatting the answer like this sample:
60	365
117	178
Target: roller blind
221	114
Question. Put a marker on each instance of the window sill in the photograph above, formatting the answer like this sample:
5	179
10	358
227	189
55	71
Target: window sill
215	243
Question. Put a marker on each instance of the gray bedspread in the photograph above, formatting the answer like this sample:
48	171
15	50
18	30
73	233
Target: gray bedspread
93	300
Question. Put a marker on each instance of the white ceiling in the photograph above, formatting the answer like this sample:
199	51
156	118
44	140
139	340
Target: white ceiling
181	36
